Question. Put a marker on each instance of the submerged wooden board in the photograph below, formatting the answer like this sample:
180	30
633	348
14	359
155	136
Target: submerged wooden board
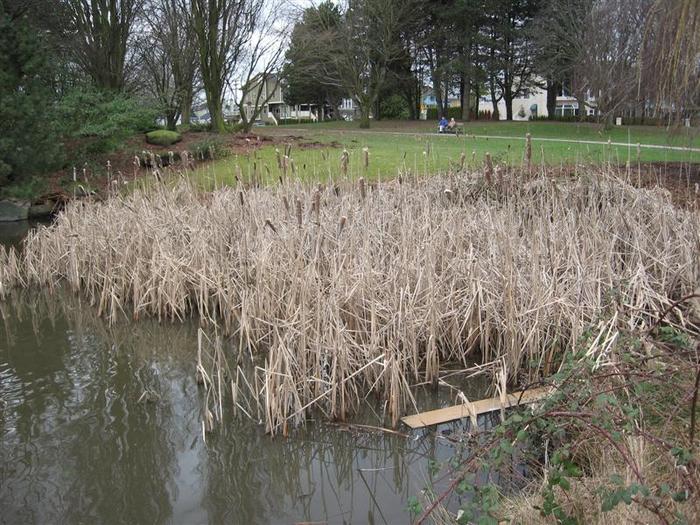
445	415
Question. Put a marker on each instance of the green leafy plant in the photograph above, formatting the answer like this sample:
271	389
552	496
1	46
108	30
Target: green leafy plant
210	148
26	188
394	107
163	137
645	393
29	142
102	121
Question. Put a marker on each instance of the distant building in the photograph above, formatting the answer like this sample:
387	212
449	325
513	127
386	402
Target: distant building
534	105
348	109
430	100
275	109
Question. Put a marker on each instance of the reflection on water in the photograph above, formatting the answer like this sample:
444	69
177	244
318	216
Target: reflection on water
102	424
12	233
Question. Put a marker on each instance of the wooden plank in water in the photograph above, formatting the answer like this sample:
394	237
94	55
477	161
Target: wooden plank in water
445	415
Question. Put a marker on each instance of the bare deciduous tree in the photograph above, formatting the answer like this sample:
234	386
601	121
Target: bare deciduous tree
156	69
102	30
670	72
171	57
221	28
610	52
367	42
592	46
260	66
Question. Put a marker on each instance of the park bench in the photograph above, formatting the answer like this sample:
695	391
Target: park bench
457	130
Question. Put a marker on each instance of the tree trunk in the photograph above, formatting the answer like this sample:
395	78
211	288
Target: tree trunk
508	99
466	91
218	125
494	102
466	80
446	100
171	120
437	91
186	109
552	92
364	116
477	96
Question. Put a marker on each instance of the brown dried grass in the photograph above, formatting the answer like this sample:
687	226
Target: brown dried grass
370	290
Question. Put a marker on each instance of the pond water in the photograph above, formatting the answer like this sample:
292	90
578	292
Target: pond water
80	443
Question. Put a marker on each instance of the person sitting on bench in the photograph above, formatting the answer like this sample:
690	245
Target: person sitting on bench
442	125
452	125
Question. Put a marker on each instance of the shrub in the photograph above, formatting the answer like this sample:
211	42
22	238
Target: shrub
104	120
395	107
234	127
455	113
592	119
290	121
210	148
163	137
25	188
198	127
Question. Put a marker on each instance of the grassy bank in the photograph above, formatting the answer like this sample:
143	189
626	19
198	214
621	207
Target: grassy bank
677	136
399	148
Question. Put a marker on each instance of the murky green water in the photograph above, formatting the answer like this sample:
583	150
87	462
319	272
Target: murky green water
80	443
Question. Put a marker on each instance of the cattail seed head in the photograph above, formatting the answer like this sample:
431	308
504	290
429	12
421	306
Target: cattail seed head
344	161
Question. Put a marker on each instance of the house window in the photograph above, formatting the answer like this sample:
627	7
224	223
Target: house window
566	110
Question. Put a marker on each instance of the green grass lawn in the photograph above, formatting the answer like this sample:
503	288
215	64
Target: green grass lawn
560	130
411	147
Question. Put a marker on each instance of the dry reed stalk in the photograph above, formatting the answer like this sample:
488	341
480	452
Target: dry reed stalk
528	153
488	170
317	205
400	286
299	212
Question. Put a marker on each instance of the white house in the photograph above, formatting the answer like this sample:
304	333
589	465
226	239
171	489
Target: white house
535	105
276	109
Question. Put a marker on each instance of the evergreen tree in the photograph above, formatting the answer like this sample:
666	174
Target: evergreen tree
28	143
310	55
